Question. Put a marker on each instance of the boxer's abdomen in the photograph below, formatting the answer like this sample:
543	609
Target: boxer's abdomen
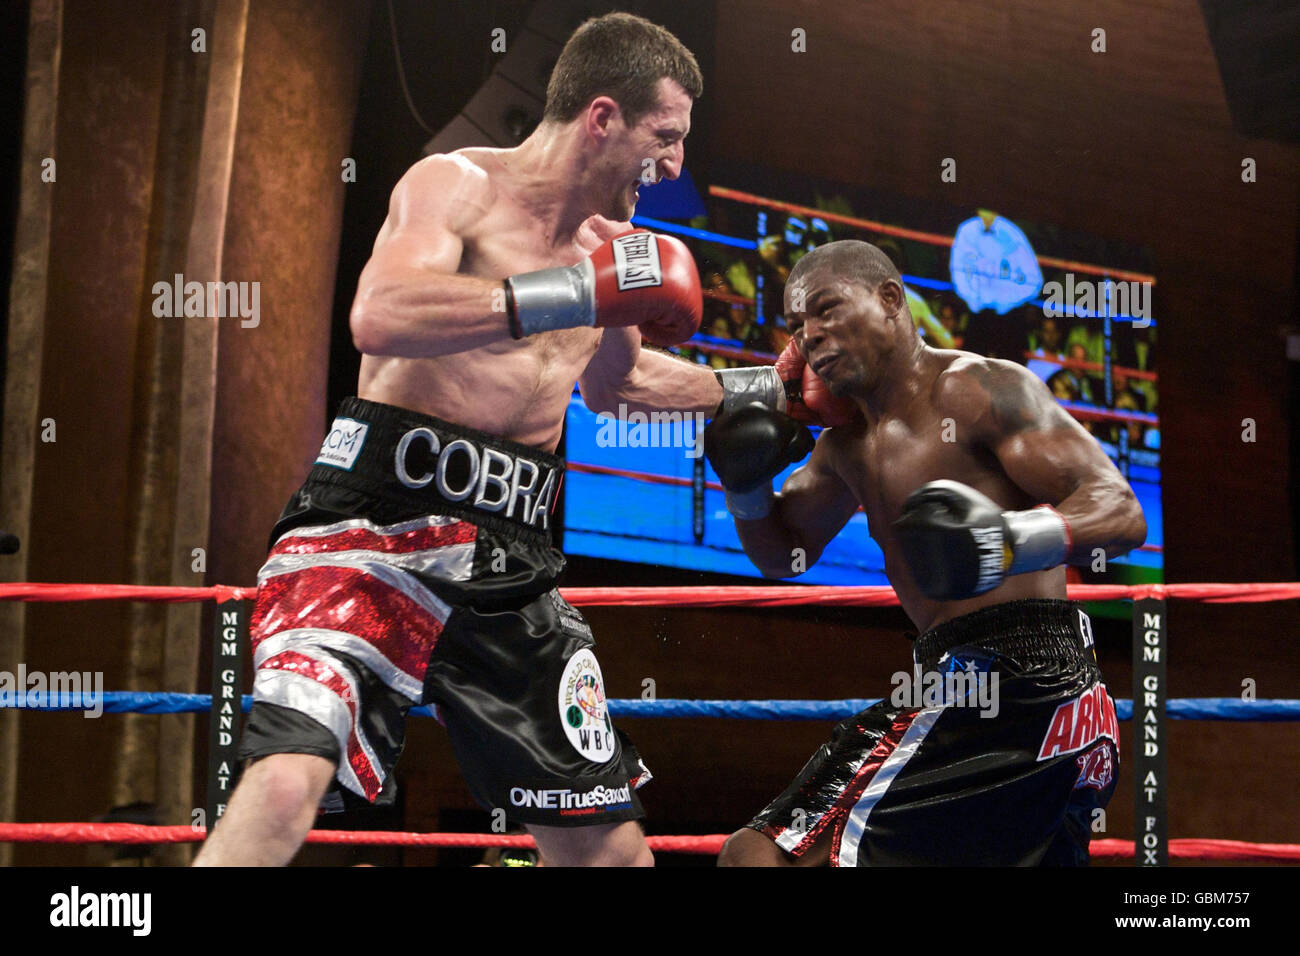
516	390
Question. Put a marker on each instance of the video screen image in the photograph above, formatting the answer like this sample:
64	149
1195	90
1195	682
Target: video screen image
1075	310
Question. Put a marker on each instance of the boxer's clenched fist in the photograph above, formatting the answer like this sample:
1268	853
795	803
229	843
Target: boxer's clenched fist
748	448
789	386
960	543
637	278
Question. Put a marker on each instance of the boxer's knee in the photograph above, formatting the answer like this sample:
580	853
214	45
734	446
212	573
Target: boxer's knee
748	847
638	855
269	813
286	786
619	844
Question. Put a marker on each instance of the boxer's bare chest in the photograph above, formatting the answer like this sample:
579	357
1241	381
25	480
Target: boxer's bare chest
508	241
516	389
886	462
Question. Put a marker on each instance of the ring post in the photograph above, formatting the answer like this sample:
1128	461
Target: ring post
223	723
1150	630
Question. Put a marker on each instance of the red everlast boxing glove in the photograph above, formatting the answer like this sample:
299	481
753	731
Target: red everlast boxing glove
789	386
637	278
808	398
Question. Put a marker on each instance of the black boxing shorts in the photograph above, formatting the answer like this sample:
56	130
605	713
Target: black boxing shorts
999	750
415	566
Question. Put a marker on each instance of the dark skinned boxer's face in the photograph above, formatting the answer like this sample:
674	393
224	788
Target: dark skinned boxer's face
845	331
648	151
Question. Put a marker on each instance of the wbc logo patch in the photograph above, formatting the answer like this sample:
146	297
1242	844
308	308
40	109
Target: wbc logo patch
636	261
584	713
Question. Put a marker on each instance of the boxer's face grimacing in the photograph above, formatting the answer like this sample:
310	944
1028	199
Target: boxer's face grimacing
843	330
648	151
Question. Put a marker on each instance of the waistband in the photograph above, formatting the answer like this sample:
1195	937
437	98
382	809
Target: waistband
438	467
1033	631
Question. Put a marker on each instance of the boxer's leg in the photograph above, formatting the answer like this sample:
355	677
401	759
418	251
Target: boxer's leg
801	826
327	592
748	847
614	844
520	691
270	812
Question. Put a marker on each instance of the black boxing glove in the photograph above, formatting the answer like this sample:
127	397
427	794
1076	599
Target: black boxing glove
960	543
748	448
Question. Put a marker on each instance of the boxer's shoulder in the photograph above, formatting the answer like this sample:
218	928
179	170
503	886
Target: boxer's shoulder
965	375
459	186
469	168
838	448
974	388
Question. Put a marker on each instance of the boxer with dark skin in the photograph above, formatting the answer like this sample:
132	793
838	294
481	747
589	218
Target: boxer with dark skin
925	415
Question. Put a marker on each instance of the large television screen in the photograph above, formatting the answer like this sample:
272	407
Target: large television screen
1076	310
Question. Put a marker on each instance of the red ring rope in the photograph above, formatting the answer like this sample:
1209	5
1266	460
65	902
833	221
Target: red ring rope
1190	849
794	595
135	833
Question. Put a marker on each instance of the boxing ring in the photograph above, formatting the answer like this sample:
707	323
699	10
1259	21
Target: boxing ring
1143	768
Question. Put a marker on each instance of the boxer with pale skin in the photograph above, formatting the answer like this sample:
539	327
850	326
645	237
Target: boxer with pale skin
429	316
442	335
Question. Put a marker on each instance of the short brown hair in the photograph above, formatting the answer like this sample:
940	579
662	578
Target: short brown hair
623	57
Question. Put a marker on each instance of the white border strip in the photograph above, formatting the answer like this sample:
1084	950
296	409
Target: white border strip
856	823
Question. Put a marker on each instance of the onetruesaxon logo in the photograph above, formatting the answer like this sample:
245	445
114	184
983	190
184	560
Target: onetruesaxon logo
599	799
583	710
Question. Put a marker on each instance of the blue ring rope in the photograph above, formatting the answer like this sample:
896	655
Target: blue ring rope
1178	708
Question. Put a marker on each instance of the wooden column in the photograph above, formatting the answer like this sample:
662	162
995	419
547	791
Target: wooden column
28	285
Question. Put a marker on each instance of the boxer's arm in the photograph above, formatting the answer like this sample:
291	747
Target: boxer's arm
410	302
623	373
1047	454
812	507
